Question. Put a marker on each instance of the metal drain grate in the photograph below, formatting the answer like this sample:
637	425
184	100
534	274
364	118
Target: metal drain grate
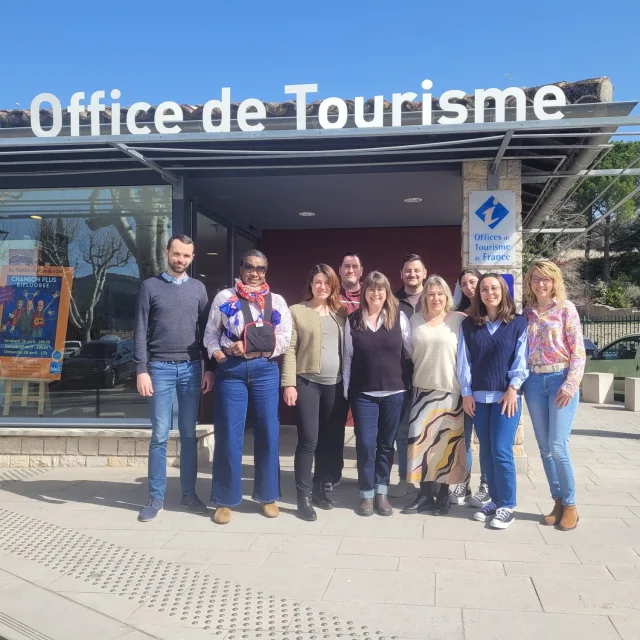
189	597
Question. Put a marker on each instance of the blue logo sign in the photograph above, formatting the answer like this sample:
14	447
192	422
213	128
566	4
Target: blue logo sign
492	212
56	355
55	367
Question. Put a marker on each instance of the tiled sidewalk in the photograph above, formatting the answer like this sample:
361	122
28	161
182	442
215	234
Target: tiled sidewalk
75	563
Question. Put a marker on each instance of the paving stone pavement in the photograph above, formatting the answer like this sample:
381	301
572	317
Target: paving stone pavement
75	563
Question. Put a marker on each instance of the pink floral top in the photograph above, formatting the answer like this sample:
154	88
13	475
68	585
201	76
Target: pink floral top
555	336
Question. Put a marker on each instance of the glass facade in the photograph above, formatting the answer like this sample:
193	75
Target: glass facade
71	263
211	249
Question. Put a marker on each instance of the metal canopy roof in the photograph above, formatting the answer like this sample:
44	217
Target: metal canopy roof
551	151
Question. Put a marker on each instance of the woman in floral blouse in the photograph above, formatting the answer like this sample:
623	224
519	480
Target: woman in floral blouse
556	365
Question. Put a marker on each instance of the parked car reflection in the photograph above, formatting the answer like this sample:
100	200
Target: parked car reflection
100	364
590	347
621	357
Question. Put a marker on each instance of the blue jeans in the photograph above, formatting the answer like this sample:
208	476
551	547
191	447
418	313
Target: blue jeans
239	383
468	437
552	427
169	378
497	434
376	423
403	436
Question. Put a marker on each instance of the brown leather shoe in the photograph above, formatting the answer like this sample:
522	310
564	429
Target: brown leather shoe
222	515
270	509
365	508
381	505
569	519
554	517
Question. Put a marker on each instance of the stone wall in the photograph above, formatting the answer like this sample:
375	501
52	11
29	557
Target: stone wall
32	447
475	178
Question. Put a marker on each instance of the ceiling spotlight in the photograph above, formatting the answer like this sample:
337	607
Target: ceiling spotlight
36	217
412	200
211	253
202	275
307	214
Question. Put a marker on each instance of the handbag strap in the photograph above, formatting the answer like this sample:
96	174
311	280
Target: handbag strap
246	310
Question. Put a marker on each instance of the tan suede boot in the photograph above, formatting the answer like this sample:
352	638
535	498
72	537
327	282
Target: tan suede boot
569	519
222	515
554	517
270	509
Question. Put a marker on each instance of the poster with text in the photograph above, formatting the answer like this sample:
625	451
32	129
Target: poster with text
34	308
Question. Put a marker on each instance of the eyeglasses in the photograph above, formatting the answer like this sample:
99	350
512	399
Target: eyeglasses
249	268
536	280
493	289
468	283
350	267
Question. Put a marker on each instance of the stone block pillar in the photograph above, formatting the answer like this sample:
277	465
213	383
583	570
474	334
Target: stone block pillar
475	177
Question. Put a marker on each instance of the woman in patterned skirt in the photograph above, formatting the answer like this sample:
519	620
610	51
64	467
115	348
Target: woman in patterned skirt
436	424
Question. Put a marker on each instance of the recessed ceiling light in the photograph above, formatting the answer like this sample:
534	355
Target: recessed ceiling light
307	214
37	217
211	253
202	275
412	200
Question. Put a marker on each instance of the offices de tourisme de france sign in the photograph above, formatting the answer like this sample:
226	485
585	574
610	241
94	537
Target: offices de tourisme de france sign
492	228
333	112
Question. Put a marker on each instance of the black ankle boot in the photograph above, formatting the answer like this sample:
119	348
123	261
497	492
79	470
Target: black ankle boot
306	510
320	499
443	504
421	504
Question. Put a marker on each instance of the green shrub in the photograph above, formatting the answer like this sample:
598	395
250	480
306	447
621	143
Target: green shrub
633	295
613	294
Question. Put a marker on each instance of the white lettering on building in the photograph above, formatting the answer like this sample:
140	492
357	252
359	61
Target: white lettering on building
333	112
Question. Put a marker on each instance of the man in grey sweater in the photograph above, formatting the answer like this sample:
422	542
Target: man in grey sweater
171	316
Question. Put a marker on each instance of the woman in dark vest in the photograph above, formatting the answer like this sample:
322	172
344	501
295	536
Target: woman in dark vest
375	336
312	382
492	365
468	281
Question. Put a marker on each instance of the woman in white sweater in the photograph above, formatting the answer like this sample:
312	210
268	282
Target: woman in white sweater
436	450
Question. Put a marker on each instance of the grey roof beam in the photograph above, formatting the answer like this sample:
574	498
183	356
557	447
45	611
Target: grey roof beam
436	129
536	178
493	177
173	179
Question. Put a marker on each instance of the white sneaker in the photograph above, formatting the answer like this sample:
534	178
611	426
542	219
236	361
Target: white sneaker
503	519
480	497
460	495
402	489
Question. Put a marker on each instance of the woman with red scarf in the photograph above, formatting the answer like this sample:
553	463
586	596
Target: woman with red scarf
248	328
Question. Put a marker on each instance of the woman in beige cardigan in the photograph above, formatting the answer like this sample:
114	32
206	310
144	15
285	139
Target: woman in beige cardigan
312	381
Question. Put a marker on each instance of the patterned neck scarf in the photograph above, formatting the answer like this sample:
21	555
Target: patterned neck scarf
252	294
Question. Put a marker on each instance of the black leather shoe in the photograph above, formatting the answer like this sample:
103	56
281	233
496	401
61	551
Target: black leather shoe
421	504
365	508
381	505
306	510
442	506
320	499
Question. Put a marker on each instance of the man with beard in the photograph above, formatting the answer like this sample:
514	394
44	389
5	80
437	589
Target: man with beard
171	316
413	275
350	272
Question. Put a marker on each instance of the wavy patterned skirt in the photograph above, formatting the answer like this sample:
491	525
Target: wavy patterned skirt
436	438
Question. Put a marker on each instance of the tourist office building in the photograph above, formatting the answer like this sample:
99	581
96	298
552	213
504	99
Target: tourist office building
91	190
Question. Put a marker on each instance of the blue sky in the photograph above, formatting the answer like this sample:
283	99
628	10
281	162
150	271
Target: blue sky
160	50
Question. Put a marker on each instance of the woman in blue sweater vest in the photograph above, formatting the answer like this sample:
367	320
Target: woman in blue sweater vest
492	365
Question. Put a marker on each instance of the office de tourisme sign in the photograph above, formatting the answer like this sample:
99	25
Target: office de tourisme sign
332	114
